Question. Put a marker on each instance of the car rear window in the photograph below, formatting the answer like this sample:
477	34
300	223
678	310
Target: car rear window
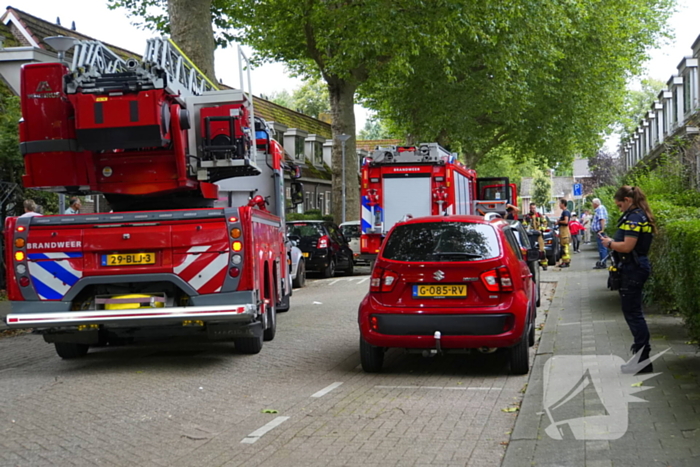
305	230
351	231
442	241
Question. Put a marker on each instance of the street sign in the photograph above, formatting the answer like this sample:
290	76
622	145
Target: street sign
578	190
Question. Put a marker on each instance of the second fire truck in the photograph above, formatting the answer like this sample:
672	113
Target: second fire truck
422	180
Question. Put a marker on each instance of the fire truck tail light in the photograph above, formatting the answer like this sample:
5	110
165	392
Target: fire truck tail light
20	228
236	259
21	269
236	246
234	272
19	242
24	281
235	233
322	242
233	219
19	256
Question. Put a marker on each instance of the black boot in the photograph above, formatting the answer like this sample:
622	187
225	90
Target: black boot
636	364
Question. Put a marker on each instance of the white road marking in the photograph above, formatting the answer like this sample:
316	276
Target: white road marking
364	280
326	390
257	434
569	324
605	321
336	281
458	388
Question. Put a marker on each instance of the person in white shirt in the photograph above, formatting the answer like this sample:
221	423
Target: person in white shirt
74	207
29	208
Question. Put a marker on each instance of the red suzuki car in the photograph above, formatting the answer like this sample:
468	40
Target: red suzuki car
448	283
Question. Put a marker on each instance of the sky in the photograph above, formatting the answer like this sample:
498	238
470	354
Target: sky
93	18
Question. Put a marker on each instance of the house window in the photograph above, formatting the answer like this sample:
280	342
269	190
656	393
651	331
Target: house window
308	200
328	202
675	105
686	93
299	147
318	153
320	204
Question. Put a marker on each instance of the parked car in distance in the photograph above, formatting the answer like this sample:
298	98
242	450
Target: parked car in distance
449	283
323	246
527	239
352	230
552	244
297	267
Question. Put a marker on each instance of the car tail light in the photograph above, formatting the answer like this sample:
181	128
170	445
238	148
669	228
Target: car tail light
322	242
382	280
498	280
374	323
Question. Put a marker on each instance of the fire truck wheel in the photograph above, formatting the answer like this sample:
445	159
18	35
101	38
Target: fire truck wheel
329	271
69	350
300	279
249	345
270	332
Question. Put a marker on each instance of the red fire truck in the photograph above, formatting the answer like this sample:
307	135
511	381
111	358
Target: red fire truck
153	137
423	180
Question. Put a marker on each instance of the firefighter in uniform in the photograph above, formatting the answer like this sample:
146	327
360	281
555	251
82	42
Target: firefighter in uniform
630	247
564	234
535	221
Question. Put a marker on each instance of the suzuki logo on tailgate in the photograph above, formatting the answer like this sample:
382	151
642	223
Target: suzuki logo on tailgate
439	275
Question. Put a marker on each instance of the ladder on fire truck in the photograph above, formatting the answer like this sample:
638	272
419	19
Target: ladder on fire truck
164	65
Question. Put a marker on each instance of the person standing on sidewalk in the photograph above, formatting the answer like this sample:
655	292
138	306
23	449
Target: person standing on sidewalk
29	208
575	229
630	246
600	219
536	221
586	222
564	234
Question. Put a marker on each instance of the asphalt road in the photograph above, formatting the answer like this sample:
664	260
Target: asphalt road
304	400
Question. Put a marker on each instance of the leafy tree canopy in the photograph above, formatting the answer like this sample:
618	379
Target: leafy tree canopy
637	103
546	77
376	128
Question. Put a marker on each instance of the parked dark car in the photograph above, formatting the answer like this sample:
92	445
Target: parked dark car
552	244
528	240
443	284
324	247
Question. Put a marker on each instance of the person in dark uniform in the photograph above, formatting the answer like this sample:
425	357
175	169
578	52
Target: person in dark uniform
630	246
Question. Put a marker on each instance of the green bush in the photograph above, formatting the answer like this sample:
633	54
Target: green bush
676	278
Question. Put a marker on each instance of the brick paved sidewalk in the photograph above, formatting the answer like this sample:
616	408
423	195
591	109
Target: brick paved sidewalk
585	320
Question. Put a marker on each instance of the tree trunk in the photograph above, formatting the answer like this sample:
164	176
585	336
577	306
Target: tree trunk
191	29
342	99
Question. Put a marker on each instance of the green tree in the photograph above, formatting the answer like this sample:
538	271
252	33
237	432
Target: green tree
311	98
547	77
12	164
541	189
637	103
282	98
376	128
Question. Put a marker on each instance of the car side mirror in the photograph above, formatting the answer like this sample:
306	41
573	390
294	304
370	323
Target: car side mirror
297	193
533	254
